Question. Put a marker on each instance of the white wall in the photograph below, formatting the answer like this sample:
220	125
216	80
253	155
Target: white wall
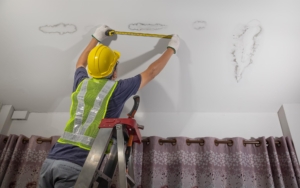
43	124
199	78
219	125
195	95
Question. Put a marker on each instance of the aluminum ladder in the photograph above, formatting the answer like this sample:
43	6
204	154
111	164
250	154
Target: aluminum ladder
114	135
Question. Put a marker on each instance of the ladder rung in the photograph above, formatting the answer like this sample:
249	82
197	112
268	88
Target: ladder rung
103	176
130	180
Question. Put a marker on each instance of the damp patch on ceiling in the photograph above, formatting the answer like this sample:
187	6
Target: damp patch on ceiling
60	29
199	24
146	26
246	39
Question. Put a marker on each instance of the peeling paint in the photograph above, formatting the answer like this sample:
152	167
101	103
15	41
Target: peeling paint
199	24
245	46
60	28
146	26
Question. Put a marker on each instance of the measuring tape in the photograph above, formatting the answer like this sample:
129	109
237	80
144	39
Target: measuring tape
113	32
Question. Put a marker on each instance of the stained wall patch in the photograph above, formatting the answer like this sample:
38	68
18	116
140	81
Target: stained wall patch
60	28
199	24
245	44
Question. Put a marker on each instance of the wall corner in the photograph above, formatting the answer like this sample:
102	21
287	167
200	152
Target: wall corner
6	112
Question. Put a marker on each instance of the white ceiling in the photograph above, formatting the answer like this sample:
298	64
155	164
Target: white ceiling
37	67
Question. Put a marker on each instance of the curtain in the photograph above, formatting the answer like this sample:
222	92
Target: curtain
176	162
21	159
232	162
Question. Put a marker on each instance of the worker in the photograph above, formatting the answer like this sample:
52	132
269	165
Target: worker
93	99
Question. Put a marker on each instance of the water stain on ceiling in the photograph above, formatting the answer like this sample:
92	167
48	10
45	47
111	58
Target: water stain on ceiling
61	28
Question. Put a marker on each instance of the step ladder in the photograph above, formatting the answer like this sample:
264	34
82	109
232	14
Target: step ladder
114	134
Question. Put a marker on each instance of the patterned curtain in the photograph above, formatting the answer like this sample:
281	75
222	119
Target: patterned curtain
21	159
208	162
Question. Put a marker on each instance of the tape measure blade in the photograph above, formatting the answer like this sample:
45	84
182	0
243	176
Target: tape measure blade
143	34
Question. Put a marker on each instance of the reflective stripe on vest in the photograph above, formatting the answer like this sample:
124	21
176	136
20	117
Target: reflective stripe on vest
80	107
78	136
97	105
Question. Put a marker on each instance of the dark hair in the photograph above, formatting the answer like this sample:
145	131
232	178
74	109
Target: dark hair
112	74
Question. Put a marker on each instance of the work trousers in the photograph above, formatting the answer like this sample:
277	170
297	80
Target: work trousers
58	174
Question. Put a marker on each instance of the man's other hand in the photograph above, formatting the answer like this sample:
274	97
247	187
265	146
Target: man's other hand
100	33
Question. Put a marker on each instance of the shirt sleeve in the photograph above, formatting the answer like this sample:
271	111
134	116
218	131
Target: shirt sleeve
80	74
126	88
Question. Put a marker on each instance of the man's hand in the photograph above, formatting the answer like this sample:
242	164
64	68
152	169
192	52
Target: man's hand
100	33
174	43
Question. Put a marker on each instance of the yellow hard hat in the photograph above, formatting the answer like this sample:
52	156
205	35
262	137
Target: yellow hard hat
101	61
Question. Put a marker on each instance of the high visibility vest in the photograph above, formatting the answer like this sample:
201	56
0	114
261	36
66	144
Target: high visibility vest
88	108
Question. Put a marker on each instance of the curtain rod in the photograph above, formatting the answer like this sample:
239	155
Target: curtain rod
38	140
201	142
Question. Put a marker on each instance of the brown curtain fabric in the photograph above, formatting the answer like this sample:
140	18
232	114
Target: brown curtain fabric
272	163
163	165
21	159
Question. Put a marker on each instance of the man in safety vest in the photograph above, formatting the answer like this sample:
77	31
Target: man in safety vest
93	99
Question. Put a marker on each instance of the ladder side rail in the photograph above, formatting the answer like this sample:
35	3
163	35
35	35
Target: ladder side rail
92	163
121	157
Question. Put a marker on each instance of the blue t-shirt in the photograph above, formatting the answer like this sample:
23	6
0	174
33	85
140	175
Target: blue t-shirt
124	90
